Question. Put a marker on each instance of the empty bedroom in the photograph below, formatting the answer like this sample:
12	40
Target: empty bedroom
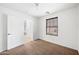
39	28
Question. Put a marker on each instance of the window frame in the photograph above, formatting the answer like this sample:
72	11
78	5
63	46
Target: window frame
53	27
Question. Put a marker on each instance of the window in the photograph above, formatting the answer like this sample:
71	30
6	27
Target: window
52	26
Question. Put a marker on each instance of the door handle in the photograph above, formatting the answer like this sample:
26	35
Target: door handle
9	34
25	33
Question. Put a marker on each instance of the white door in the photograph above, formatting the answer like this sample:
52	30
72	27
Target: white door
15	31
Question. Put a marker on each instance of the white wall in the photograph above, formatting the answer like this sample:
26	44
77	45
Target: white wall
17	18
4	31
0	34
67	28
36	28
78	27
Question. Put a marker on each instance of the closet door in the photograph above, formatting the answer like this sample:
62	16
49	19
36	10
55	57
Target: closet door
15	31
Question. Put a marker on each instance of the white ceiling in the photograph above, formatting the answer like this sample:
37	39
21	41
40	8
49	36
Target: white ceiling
38	11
